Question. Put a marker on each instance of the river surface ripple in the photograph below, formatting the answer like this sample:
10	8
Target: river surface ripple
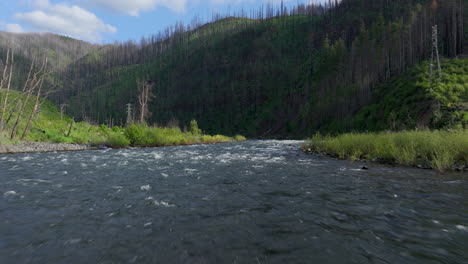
250	202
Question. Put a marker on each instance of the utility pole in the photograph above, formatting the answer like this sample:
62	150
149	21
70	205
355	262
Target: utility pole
129	114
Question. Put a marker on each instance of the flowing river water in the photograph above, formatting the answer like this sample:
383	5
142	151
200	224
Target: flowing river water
249	202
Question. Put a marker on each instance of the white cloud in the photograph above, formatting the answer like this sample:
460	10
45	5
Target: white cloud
69	20
134	7
15	28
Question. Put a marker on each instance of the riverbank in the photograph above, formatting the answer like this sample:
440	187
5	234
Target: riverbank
439	150
29	147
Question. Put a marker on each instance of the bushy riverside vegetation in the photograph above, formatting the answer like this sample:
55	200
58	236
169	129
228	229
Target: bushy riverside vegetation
441	150
50	125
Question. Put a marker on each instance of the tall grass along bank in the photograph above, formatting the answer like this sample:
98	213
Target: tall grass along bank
440	150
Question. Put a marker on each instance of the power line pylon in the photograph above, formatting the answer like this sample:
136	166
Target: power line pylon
129	114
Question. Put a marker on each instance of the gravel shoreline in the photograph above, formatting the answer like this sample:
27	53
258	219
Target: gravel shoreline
28	147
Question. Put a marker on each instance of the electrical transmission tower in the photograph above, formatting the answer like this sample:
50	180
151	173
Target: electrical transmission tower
435	54
129	114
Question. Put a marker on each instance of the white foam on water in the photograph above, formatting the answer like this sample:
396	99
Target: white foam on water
162	203
453	182
15	167
461	227
64	161
65	172
83	165
32	181
10	193
123	153
164	175
158	203
147	224
156	155
11	160
275	160
102	165
4	158
145	187
58	185
435	222
94	158
27	158
124	163
190	171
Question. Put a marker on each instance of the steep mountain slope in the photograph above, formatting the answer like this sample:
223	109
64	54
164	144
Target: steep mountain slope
412	100
285	75
277	73
60	50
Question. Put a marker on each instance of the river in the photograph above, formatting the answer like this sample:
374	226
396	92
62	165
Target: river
249	202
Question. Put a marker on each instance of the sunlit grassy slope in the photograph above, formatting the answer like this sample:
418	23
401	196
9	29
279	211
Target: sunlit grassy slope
50	125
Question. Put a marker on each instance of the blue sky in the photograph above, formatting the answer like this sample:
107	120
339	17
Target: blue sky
106	21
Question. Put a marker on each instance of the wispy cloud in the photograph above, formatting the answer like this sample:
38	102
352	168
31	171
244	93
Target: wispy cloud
16	28
65	19
135	7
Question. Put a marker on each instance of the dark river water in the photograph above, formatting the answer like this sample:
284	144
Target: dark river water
250	202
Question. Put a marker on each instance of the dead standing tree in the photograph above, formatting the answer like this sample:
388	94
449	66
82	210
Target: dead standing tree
145	96
6	79
32	84
36	103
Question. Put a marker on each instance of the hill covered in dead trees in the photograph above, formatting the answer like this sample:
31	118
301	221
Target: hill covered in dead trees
272	72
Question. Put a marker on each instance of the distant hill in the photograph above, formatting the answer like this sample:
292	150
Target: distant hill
61	50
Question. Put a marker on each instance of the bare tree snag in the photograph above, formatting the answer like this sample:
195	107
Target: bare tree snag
62	110
144	97
5	100
36	104
32	83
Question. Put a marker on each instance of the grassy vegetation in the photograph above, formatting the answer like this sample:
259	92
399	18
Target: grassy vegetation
440	150
50	126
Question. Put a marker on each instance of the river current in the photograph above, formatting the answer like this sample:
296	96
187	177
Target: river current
249	202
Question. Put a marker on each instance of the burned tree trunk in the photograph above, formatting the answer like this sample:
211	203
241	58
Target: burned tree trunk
8	65
144	97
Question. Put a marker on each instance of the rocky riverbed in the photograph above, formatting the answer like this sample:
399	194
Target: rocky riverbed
26	147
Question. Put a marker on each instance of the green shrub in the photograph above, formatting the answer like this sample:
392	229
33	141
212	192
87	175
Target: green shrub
117	140
239	138
136	134
194	128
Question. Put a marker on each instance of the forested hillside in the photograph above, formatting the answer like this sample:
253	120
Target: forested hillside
61	51
273	72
